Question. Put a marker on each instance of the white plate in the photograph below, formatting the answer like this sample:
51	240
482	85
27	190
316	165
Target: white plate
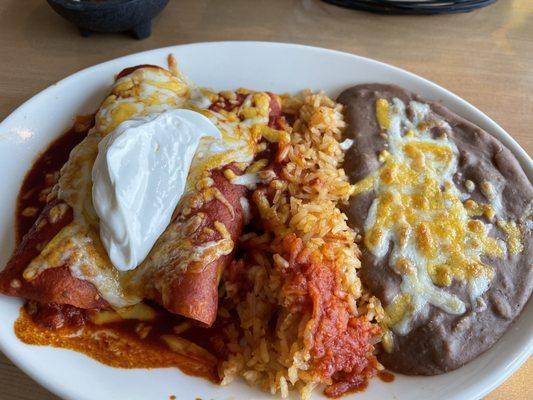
224	65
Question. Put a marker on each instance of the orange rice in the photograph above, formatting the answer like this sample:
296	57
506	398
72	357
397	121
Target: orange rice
303	318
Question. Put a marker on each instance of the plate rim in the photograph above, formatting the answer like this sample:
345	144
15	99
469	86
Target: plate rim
502	135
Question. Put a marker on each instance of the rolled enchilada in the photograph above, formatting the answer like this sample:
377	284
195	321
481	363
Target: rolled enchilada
62	259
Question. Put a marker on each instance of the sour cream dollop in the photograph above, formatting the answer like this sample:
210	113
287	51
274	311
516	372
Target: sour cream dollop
138	178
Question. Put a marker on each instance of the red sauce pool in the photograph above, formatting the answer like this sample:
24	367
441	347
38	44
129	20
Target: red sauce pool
44	173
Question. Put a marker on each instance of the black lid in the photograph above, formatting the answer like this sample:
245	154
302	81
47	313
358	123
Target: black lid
413	7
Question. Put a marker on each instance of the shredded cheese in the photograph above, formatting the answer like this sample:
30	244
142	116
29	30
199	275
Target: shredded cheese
419	219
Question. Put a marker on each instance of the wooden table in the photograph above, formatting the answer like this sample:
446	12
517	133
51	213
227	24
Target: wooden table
486	57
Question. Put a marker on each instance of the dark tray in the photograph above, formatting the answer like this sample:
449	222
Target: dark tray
134	16
413	7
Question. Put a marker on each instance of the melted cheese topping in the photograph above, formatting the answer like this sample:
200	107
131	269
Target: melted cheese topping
79	247
148	91
514	233
241	132
419	219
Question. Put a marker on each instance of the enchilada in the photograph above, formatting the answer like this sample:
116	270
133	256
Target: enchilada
63	260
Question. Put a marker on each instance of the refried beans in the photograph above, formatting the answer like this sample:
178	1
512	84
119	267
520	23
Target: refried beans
444	210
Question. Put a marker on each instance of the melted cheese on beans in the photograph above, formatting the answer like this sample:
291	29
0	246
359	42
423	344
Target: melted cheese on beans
421	218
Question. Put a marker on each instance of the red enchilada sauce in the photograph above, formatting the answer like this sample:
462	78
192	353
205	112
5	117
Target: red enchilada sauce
44	174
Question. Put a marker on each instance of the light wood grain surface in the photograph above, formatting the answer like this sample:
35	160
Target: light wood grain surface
486	57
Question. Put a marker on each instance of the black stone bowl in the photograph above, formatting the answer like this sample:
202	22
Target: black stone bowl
134	16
